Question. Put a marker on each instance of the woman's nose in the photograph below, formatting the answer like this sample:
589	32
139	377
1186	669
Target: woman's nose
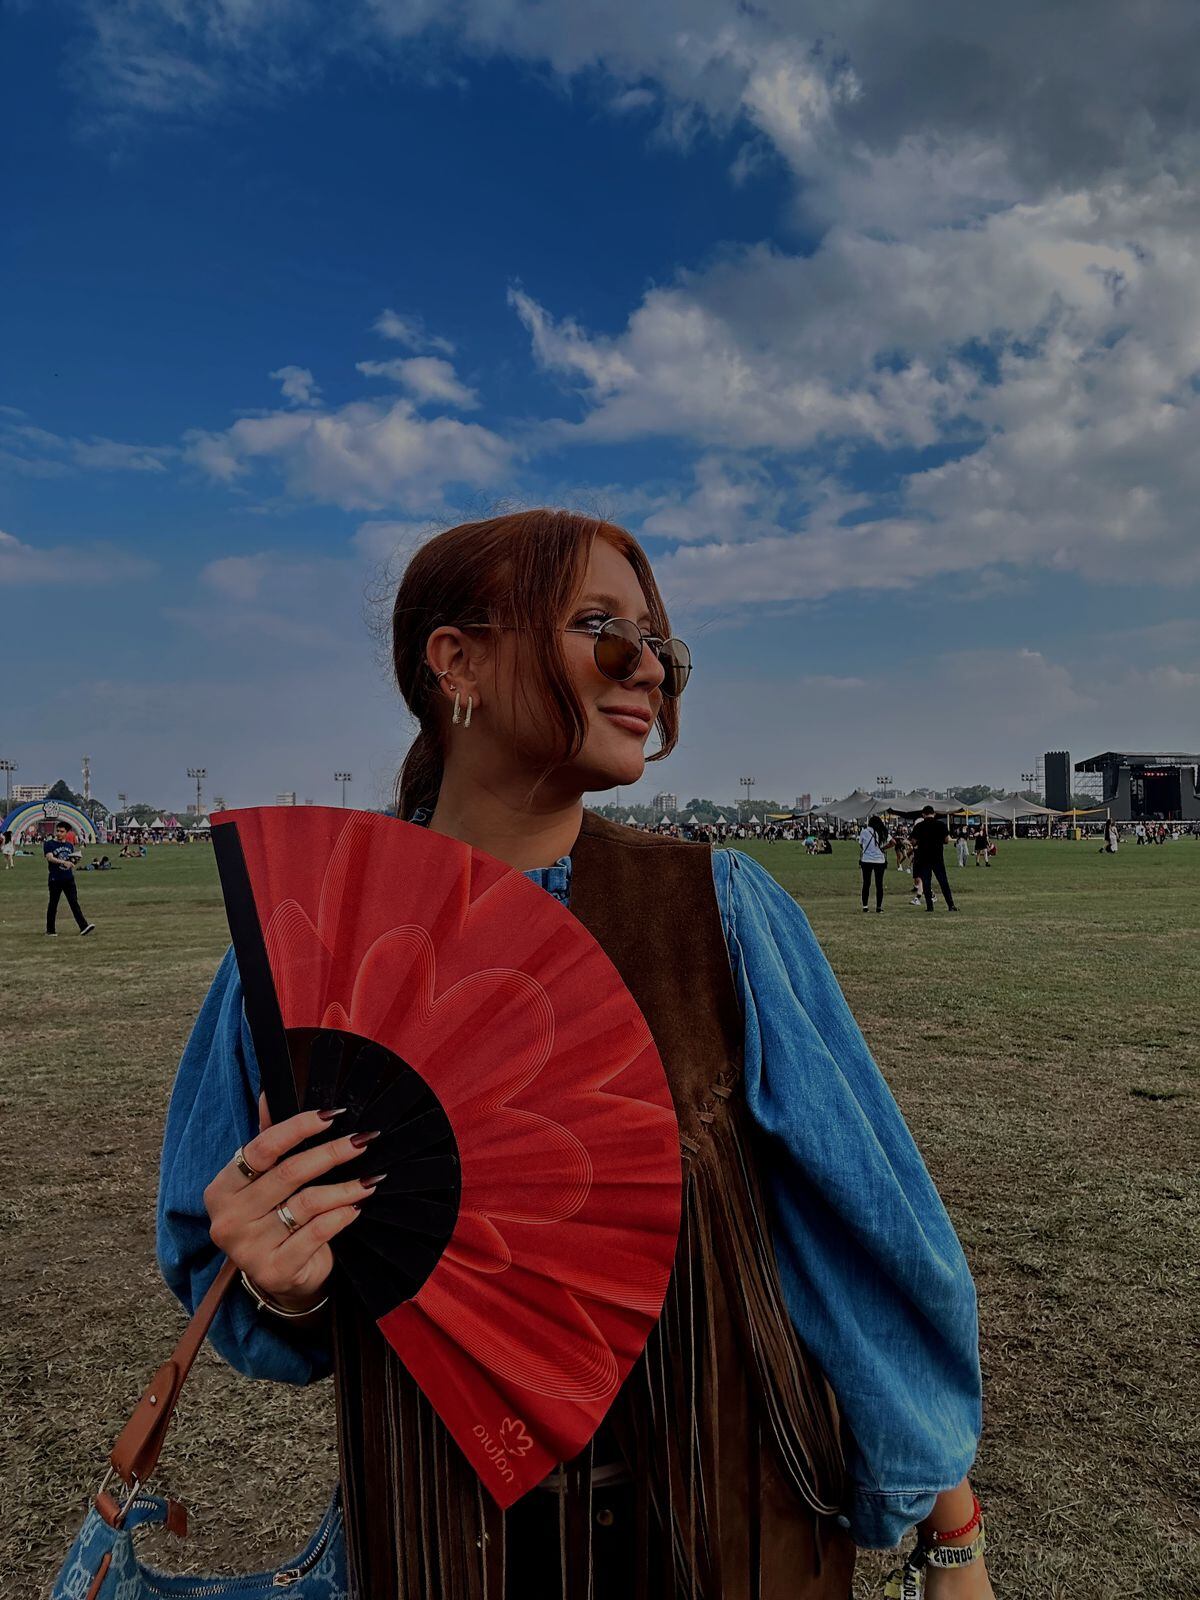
650	670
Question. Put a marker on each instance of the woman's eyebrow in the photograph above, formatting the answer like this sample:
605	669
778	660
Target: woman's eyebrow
609	602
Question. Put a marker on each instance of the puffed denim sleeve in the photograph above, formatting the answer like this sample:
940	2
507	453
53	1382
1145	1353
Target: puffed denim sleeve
874	1276
214	1109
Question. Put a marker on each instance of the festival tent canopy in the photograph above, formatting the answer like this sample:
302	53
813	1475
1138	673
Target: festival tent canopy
755	821
855	807
1009	808
693	818
911	804
722	821
158	823
631	820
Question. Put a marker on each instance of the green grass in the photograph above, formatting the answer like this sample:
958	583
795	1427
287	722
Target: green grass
1042	1045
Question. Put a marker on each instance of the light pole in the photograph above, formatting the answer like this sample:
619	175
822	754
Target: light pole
121	802
1028	777
885	782
8	768
747	784
199	773
343	778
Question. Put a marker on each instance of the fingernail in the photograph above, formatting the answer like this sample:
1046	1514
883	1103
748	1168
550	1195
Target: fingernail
361	1139
369	1183
328	1116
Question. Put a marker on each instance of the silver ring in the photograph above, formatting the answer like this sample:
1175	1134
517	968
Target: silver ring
243	1166
285	1216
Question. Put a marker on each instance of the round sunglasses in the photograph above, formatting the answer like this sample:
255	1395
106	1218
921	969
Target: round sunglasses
618	647
619	643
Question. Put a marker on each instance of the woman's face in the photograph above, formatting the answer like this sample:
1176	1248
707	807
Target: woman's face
620	716
509	739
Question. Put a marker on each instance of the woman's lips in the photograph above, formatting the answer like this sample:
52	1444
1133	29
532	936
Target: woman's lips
635	721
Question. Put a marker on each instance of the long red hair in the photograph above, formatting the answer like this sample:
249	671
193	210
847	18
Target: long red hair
518	571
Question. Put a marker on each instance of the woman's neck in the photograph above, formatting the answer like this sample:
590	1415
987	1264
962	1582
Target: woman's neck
504	826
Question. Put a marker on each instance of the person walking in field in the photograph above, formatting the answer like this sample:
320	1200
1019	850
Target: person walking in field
929	841
872	842
8	850
60	859
983	847
960	847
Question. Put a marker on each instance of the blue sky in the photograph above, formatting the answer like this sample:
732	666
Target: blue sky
886	346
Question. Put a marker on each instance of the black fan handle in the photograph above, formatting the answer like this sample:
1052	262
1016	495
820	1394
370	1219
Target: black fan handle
258	987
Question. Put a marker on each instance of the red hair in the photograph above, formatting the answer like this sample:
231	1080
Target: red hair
518	571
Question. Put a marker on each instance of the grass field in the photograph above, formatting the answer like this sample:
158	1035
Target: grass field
1043	1045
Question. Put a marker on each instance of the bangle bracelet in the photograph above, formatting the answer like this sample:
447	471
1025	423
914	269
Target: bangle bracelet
950	1555
263	1302
960	1533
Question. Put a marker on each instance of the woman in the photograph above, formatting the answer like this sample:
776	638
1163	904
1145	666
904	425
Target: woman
772	1420
983	846
872	842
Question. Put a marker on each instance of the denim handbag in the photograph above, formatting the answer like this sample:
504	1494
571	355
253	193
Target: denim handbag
103	1564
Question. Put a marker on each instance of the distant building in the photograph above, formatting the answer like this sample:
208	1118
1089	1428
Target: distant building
1147	785
804	802
288	799
667	803
1057	766
23	793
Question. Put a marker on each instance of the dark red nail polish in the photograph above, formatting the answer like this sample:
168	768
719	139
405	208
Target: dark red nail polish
361	1139
328	1116
369	1183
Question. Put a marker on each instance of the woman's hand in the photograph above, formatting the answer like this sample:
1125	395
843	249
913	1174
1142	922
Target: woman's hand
292	1268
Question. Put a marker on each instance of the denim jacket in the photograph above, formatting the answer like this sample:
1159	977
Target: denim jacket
874	1276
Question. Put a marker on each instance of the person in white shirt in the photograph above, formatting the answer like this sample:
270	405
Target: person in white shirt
872	842
8	850
960	848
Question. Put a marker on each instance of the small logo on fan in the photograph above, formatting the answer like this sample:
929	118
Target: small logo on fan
514	1441
513	1437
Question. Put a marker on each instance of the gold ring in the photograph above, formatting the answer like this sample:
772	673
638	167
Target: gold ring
243	1166
285	1216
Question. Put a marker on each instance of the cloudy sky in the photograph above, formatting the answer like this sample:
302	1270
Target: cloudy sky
877	320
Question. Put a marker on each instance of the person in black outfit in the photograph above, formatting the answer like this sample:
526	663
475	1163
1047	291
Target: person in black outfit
59	854
929	838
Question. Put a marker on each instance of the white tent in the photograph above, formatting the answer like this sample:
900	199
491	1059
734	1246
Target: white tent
205	822
158	823
631	820
666	819
693	817
754	821
722	821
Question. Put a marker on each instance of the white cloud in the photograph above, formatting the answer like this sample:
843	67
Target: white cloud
410	332
366	455
298	385
236	577
429	379
37	452
22	563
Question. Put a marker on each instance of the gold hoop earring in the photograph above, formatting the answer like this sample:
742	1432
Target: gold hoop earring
457	717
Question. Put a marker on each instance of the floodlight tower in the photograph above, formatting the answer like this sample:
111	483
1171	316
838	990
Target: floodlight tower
747	784
199	773
343	778
8	768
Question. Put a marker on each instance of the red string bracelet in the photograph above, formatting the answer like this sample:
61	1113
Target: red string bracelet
967	1527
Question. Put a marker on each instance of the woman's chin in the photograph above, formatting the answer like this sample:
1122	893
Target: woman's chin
610	769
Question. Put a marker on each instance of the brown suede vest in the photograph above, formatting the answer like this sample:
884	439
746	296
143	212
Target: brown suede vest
729	1430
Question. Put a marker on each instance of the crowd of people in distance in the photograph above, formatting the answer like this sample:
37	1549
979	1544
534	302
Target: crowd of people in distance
918	847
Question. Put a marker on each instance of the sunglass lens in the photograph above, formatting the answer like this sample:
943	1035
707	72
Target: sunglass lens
676	661
618	649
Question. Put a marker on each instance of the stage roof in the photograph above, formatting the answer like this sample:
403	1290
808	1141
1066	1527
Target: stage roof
1124	758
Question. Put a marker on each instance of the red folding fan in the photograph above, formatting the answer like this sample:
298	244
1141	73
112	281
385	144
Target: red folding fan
517	1254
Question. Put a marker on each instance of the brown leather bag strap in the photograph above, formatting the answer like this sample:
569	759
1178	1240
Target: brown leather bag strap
136	1452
